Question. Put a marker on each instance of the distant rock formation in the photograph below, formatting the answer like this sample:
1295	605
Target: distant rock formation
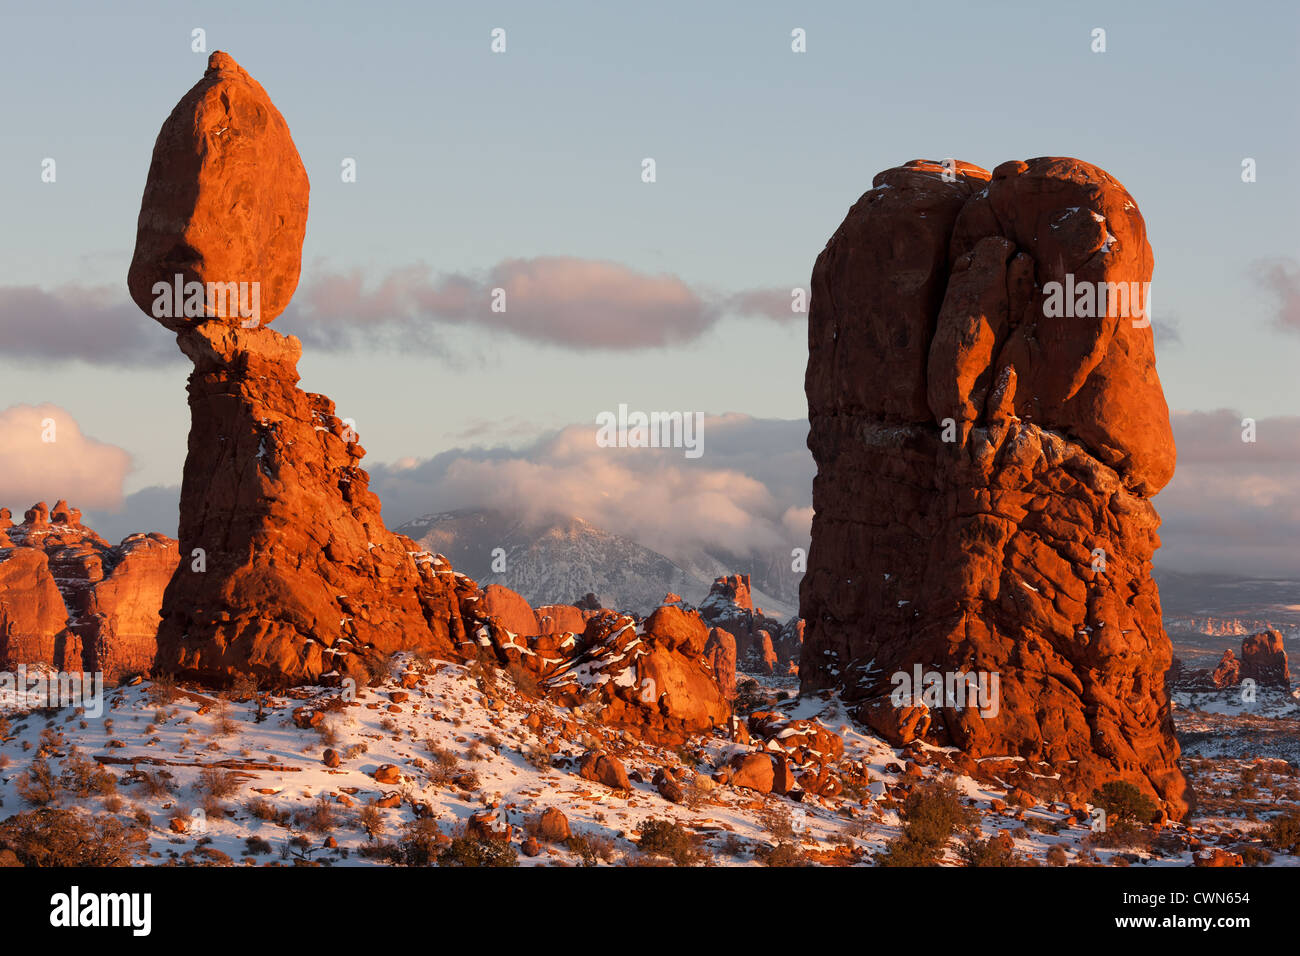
1227	673
763	644
987	442
1263	660
70	600
288	570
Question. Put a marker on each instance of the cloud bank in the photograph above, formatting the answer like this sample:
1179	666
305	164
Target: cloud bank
1232	506
564	301
45	456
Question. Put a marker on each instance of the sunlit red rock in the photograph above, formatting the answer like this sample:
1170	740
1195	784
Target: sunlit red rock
985	469
106	617
225	200
289	572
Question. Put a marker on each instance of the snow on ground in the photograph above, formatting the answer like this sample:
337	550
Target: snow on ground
464	740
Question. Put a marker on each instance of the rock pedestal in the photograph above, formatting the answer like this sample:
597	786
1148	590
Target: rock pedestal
287	570
985	465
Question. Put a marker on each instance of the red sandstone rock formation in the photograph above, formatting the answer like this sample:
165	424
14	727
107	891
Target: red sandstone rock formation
33	618
1263	659
659	679
985	468
225	201
1227	673
763	644
720	652
70	600
288	570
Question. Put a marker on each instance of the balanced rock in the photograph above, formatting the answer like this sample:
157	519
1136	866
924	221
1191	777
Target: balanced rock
225	202
987	442
289	572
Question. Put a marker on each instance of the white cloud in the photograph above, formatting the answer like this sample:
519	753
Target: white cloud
88	473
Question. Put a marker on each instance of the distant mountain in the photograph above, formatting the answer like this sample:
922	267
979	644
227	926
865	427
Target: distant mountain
558	559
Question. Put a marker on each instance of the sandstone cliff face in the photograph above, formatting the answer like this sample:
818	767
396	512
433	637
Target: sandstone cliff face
984	470
33	619
70	600
288	571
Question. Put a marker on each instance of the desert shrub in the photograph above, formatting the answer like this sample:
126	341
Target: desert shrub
217	783
83	777
671	840
990	852
444	766
1122	833
592	848
776	821
468	851
903	851
525	682
418	844
933	812
469	780
256	846
1124	803
259	808
370	820
1253	855
1284	832
537	757
732	845
223	725
52	837
39	785
1057	856
162	690
783	854
321	818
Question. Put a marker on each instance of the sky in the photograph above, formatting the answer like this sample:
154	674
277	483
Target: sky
524	169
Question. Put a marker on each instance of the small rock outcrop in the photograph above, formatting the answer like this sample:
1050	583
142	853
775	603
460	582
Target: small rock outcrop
987	441
658	679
